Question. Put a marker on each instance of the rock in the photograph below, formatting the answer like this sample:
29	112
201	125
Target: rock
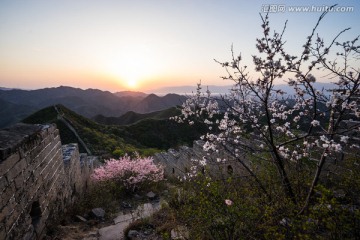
146	210
93	233
124	218
98	212
151	195
79	218
285	222
126	205
137	197
147	232
113	232
179	233
133	234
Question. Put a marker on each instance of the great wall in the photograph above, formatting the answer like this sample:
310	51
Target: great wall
39	179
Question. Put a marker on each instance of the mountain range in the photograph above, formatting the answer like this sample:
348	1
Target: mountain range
16	104
143	133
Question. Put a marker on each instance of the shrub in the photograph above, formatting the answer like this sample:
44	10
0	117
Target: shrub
129	173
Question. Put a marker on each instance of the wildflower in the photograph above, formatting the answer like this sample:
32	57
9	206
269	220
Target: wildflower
228	202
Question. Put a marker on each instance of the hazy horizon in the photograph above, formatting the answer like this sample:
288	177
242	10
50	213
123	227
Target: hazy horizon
142	45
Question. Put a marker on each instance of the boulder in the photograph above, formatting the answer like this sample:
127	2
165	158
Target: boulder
133	234
151	195
179	233
126	205
98	212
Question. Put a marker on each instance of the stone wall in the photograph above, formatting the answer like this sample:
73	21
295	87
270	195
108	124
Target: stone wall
78	168
39	179
177	163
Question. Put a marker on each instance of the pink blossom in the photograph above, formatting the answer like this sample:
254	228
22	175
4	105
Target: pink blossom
129	172
228	202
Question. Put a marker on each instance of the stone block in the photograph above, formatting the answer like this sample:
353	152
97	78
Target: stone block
9	163
22	153
3	183
35	151
27	220
19	181
16	170
2	231
20	192
45	214
11	219
8	193
22	201
34	188
36	173
34	159
27	173
5	211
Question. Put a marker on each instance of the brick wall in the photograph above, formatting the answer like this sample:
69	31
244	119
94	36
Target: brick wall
37	181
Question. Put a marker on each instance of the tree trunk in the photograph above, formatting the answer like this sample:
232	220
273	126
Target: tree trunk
286	182
319	167
314	182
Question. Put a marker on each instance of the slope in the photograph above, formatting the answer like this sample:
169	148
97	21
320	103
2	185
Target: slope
132	117
146	136
11	113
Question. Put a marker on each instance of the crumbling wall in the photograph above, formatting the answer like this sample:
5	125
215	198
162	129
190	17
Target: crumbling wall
37	182
178	163
78	168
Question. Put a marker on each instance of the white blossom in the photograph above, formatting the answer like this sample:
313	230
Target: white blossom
344	139
315	123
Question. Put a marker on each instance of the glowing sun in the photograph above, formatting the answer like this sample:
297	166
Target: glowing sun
133	65
132	83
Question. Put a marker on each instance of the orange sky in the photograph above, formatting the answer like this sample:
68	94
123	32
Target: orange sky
140	45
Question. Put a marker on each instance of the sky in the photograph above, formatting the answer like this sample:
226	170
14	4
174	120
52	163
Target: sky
142	45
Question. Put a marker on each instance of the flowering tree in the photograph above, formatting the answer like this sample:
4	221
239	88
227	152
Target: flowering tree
289	132
130	173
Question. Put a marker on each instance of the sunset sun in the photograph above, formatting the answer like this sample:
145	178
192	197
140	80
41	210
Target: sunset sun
132	83
133	65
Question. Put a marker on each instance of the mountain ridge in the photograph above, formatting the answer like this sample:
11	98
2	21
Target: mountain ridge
132	117
89	102
146	136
